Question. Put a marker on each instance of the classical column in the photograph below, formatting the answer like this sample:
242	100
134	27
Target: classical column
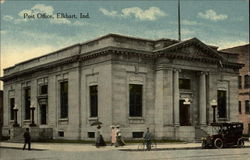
176	98
159	96
202	98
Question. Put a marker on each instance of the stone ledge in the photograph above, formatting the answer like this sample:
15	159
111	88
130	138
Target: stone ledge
136	120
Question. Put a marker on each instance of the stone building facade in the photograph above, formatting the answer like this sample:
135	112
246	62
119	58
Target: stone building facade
1	113
244	84
136	83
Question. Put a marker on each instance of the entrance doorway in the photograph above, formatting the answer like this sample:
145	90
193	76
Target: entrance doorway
248	128
43	111
184	113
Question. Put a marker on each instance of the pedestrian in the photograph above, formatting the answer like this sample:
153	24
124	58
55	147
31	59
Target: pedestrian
27	138
119	139
99	138
148	139
113	136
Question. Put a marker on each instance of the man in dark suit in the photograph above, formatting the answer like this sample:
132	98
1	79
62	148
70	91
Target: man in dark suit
26	136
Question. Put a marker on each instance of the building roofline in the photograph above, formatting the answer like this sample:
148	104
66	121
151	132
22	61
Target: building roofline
89	41
110	50
229	53
248	44
54	52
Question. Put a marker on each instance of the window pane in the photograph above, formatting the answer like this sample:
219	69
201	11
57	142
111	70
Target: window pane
135	100
184	84
43	112
247	81
247	107
240	82
93	92
12	105
240	107
27	103
222	103
64	99
44	89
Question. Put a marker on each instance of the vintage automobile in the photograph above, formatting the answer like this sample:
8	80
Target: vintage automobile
228	135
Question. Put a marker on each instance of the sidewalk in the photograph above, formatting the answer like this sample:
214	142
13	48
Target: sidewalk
89	147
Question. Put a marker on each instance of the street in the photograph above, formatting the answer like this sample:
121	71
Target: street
111	153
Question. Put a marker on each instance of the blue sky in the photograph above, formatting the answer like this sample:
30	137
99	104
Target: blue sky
223	23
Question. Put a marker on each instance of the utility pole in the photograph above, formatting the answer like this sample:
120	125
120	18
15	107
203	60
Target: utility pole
179	22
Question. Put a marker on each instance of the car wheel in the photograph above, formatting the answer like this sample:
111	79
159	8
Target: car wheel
218	143
240	143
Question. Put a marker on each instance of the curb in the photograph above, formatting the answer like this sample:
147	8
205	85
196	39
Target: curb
18	148
161	149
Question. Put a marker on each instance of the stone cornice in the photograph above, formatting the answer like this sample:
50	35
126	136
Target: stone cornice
194	41
116	51
41	67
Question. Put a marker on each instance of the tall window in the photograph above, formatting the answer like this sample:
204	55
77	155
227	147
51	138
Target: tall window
64	99
247	107
222	103
44	89
240	82
184	83
239	109
12	105
247	81
27	103
135	100
93	93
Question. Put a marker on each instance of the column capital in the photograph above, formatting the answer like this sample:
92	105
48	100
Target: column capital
176	70
203	73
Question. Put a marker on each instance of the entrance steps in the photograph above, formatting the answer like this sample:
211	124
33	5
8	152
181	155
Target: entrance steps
199	133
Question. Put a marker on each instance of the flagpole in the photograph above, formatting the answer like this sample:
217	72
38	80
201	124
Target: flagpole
179	22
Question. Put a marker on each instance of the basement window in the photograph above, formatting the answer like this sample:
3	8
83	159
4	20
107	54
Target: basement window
91	134
60	133
137	134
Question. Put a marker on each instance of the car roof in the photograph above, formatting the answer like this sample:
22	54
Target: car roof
227	124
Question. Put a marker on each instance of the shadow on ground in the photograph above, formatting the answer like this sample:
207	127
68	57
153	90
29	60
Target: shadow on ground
18	148
164	149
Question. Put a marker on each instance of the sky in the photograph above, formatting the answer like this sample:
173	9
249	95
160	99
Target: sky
223	23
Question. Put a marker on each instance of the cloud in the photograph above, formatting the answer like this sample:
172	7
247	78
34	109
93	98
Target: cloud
13	55
150	14
186	22
79	23
187	32
108	13
212	15
60	21
8	18
3	32
38	8
230	43
41	8
2	1
49	10
190	23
